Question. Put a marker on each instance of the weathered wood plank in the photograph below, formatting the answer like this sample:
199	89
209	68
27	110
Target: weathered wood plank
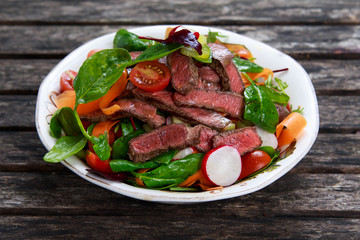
301	195
185	11
337	113
294	40
331	153
328	76
176	227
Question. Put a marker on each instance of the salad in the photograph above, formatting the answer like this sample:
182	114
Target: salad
186	113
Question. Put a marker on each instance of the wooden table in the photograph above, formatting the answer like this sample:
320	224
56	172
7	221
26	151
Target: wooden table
319	198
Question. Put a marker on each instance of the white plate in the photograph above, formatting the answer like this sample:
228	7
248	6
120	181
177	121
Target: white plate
300	90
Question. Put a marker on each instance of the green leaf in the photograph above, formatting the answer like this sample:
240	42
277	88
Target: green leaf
121	145
157	51
246	66
164	158
129	41
173	173
276	97
65	147
98	73
122	165
213	36
126	126
101	146
259	108
64	119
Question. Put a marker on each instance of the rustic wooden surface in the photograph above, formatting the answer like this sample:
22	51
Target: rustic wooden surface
318	199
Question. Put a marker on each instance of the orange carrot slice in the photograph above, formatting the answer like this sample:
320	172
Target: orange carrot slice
67	99
102	127
239	50
138	180
198	176
290	128
113	93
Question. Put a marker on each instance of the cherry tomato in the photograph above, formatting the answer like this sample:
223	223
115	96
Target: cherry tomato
92	52
150	76
95	163
253	161
66	80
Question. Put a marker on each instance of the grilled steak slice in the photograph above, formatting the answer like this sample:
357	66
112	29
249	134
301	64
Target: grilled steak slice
225	102
208	74
223	65
243	139
207	117
202	84
163	100
206	136
184	73
169	137
130	108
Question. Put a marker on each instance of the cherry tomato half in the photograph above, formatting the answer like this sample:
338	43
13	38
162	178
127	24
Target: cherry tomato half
150	76
95	163
66	80
253	161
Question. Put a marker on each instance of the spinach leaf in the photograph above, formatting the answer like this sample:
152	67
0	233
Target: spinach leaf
173	173
129	41
213	36
65	147
164	158
246	66
157	51
64	119
126	126
122	165
100	144
259	107
98	73
277	97
121	145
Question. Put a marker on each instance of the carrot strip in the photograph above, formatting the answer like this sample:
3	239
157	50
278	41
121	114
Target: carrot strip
239	50
102	127
113	93
67	99
191	180
210	188
138	180
290	128
198	176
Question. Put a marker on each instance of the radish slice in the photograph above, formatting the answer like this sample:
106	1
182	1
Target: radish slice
183	153
222	165
268	139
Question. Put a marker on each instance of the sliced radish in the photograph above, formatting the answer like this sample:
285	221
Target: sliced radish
183	153
222	165
268	139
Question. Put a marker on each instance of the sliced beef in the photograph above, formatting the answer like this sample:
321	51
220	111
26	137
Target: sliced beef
224	66
221	53
202	84
184	73
243	139
163	100
207	117
130	108
208	74
206	136
282	111
169	137
225	102
160	99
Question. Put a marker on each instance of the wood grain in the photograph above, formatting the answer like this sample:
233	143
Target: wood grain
185	11
298	41
68	194
176	227
328	76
